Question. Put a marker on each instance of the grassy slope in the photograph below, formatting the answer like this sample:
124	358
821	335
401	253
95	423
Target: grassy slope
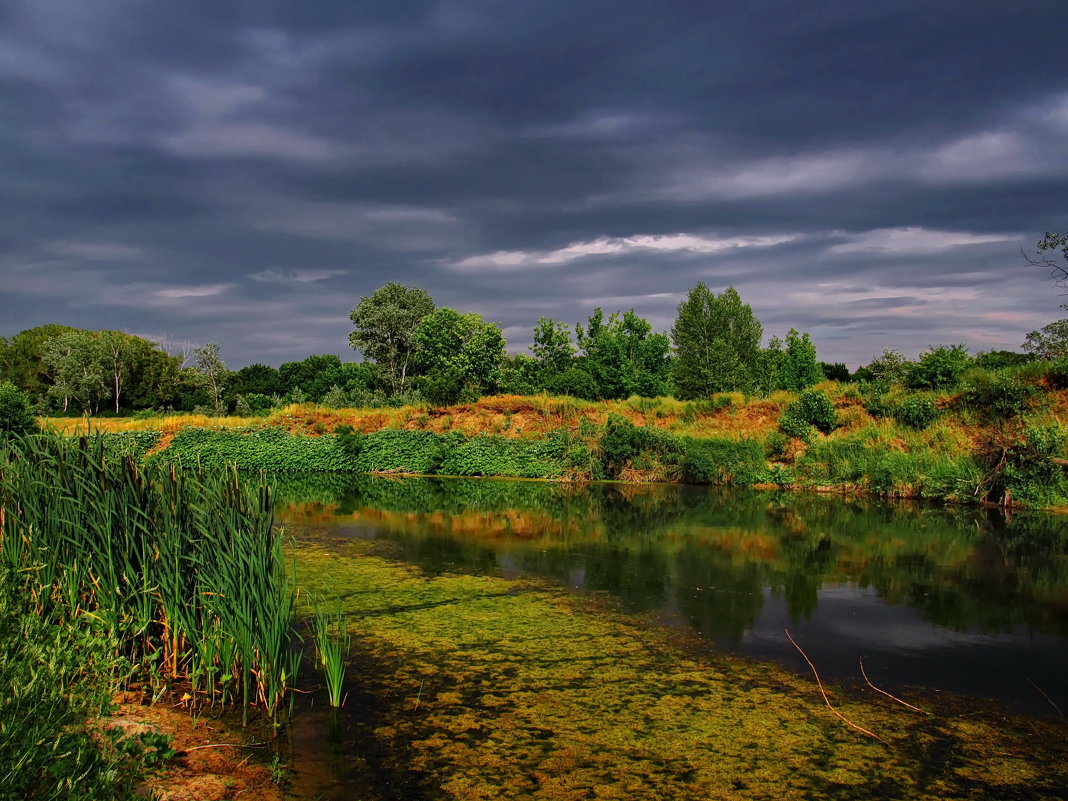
863	454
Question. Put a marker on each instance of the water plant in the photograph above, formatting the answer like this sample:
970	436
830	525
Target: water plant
332	643
182	570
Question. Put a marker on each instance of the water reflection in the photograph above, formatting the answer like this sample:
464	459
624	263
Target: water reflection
957	598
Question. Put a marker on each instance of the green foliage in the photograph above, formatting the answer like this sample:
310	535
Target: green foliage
386	322
56	671
16	414
722	461
552	347
775	444
500	456
461	355
998	396
1050	342
717	343
181	570
835	372
880	406
520	375
211	373
622	442
916	411
939	368
623	356
265	448
812	408
1031	475
798	367
889	369
332	643
574	382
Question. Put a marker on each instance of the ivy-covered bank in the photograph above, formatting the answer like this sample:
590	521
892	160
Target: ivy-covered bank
1000	440
616	450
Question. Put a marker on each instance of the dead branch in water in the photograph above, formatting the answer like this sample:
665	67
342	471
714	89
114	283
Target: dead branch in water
884	692
827	700
1048	699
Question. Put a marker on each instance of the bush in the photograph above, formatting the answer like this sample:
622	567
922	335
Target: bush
939	368
1031	475
574	382
916	411
879	406
722	461
999	396
16	414
812	408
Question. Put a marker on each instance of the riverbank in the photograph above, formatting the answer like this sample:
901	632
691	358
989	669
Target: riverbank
489	687
1003	442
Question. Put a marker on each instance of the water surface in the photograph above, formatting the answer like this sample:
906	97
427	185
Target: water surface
951	600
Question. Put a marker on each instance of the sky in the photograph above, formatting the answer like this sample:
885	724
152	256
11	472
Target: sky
244	172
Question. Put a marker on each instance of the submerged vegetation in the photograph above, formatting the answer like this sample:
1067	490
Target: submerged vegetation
500	688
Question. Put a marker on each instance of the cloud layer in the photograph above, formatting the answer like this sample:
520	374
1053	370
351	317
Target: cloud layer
866	172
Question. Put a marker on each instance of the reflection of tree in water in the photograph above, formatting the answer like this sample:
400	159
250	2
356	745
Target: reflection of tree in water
721	599
807	561
654	545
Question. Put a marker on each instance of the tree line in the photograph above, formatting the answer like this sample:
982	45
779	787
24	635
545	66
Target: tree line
414	351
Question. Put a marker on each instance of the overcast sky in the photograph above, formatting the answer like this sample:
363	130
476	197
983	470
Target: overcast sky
243	172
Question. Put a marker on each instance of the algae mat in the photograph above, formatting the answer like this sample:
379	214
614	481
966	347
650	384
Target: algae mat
489	688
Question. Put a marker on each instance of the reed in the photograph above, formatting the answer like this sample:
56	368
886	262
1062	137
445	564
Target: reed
332	642
183	569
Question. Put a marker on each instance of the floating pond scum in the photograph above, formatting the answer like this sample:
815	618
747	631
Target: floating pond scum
478	673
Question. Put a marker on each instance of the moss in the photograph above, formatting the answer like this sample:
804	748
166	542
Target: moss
516	689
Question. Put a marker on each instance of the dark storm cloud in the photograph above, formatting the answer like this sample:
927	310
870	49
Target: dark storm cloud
244	172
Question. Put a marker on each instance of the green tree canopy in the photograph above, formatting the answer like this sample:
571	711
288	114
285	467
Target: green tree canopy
799	368
386	322
1050	341
623	355
552	347
460	354
15	412
717	343
211	373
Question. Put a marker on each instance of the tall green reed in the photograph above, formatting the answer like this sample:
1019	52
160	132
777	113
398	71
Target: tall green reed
332	642
184	569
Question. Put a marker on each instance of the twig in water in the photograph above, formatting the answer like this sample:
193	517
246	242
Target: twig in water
1048	699
226	745
827	700
884	692
419	694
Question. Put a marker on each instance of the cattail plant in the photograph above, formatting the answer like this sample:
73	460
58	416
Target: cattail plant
182	568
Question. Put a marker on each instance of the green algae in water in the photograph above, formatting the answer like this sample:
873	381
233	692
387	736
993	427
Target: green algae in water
516	689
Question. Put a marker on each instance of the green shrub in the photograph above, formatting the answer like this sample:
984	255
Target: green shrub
256	449
722	461
997	396
916	411
775	444
939	368
812	408
879	406
1031	475
16	413
793	424
621	442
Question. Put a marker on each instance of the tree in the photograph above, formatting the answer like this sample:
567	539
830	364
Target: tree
552	348
314	375
15	412
623	355
836	371
259	379
211	373
799	368
460	354
1049	342
1045	257
717	343
386	322
78	363
22	361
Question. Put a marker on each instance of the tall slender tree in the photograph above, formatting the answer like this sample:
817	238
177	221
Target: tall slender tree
717	343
